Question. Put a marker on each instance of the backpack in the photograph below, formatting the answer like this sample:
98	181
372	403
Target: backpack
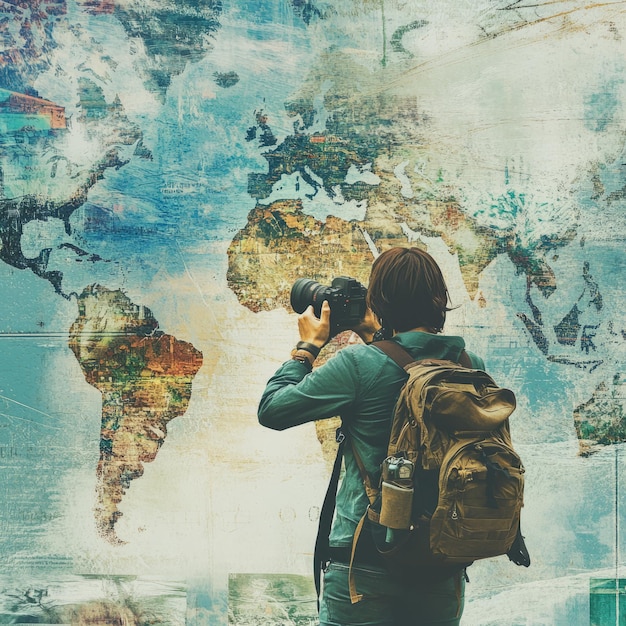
451	488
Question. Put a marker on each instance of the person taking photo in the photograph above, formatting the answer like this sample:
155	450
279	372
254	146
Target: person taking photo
406	295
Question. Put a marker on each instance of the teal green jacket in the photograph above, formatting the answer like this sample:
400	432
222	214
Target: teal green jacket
361	385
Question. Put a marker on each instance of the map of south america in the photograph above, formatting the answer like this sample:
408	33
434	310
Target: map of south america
145	378
144	375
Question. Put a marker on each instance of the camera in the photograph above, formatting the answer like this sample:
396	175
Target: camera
346	297
396	468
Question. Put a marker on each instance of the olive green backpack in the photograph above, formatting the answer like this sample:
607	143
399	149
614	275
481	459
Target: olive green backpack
451	488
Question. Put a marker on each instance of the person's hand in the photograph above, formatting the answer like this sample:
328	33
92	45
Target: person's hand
367	326
315	330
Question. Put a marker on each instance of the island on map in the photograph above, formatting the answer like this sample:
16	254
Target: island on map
602	419
145	377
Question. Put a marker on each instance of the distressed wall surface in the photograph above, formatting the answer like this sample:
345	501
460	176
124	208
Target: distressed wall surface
169	168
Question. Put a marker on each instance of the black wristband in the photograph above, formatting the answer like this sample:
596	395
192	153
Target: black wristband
309	347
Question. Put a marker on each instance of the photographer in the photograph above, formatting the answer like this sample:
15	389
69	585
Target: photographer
407	295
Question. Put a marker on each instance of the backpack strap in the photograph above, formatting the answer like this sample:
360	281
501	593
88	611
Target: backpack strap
402	357
355	596
465	360
518	553
322	548
372	494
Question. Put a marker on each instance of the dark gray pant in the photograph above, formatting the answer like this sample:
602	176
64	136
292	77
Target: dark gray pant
387	602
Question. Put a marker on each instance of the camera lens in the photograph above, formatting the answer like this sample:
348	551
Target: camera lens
305	292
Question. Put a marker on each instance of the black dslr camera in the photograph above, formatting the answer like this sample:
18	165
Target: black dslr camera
346	297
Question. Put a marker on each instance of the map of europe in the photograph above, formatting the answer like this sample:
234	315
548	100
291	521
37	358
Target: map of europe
169	169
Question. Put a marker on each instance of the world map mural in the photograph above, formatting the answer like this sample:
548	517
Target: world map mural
169	169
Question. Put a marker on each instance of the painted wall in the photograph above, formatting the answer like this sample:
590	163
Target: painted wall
168	169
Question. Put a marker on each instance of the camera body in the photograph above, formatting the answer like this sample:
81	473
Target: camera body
346	297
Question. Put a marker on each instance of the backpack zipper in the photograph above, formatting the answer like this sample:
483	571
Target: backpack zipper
454	513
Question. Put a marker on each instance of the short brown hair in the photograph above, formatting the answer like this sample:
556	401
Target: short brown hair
407	290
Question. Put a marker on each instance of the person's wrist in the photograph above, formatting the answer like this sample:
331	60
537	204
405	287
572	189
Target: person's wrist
309	347
304	357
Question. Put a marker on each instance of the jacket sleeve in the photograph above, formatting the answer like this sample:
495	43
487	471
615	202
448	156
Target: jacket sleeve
293	396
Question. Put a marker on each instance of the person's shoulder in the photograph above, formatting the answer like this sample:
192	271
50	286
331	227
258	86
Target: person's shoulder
477	362
360	357
443	346
430	345
456	342
360	351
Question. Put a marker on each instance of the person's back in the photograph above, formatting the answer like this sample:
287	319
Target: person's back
407	295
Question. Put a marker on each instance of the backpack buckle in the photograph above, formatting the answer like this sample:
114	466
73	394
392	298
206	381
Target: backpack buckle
340	436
